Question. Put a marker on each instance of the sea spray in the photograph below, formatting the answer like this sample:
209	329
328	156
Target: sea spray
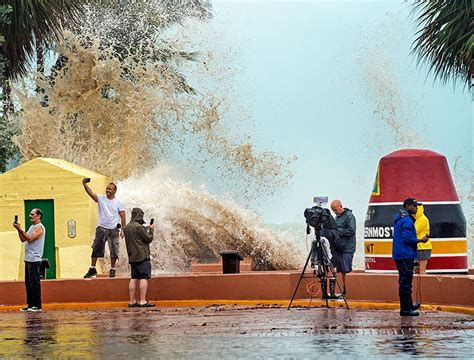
194	225
394	117
123	115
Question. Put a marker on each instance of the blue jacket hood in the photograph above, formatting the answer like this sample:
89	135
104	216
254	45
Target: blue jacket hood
400	215
404	245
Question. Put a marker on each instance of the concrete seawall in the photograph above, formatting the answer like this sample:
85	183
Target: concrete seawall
455	290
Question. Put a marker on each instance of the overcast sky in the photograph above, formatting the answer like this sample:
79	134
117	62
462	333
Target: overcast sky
334	84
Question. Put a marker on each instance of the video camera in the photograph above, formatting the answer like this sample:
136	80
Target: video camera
317	216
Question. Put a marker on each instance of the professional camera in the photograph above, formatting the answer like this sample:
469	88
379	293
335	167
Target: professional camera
317	216
320	256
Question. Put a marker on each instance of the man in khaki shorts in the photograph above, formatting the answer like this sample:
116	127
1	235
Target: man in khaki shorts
111	215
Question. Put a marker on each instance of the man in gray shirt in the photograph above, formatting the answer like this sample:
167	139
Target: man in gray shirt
34	245
111	214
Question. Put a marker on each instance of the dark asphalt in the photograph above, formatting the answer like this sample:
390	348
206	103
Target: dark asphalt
234	332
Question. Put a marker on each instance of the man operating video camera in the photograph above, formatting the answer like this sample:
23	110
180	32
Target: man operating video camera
326	237
324	246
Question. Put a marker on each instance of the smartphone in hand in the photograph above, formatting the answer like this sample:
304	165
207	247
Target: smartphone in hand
152	221
16	219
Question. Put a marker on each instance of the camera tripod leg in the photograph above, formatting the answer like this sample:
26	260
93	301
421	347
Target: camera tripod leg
299	281
323	267
324	285
333	272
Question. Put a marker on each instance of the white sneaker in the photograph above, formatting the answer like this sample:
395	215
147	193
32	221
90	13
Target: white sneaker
23	309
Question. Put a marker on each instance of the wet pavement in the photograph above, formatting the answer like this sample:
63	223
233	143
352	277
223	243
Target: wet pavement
234	332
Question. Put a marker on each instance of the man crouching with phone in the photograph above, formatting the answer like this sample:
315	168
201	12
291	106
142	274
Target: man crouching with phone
137	240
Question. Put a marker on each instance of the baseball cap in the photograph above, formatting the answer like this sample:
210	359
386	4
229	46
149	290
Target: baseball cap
411	201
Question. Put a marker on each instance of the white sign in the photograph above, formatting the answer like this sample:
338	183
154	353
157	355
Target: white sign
320	200
71	228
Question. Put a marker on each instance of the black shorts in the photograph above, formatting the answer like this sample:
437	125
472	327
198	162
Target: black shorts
141	270
343	262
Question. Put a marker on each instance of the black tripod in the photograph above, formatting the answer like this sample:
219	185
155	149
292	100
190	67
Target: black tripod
321	264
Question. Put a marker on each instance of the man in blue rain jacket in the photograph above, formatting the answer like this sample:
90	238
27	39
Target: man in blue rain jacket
404	252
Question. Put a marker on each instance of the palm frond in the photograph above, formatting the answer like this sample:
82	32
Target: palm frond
445	41
35	23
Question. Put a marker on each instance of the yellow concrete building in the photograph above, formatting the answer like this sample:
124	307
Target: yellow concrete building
69	215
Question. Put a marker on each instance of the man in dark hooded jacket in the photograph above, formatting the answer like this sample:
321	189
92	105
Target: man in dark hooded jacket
346	245
137	240
404	253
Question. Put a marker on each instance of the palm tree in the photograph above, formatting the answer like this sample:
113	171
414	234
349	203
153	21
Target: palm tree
6	147
26	26
446	39
34	24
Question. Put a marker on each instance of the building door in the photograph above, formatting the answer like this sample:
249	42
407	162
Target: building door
49	252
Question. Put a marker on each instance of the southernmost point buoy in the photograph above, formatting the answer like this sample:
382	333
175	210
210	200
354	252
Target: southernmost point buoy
424	175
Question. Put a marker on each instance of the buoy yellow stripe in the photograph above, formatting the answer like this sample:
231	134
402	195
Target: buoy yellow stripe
439	247
353	304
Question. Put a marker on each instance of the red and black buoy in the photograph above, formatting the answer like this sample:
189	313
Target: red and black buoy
424	175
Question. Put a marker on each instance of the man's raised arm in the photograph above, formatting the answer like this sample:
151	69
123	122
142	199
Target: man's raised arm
89	191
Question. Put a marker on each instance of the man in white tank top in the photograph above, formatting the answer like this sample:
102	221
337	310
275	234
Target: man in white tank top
109	228
34	245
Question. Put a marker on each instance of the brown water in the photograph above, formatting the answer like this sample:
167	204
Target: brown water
194	225
234	332
129	118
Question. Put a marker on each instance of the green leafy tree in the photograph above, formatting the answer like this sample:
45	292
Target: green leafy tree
7	149
5	13
446	39
26	26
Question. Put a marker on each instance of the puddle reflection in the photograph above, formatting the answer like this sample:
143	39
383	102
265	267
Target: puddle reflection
140	331
232	333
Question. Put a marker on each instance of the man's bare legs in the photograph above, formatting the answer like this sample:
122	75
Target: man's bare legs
422	266
143	289
343	283
113	261
132	288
